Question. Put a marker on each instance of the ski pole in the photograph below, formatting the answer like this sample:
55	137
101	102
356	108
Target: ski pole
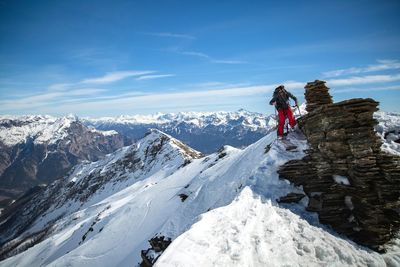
297	105
276	124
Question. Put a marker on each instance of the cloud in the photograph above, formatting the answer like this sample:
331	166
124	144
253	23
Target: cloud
46	98
59	86
385	64
375	89
171	35
209	58
84	91
219	61
196	54
51	102
108	78
216	94
364	80
115	76
152	77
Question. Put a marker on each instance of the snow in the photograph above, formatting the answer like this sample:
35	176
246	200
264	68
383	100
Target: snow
38	128
249	119
230	218
250	231
389	127
254	231
341	180
349	202
105	133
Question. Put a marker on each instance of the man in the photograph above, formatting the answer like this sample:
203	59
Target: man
280	100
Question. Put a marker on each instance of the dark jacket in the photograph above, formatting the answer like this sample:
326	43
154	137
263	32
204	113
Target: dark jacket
281	97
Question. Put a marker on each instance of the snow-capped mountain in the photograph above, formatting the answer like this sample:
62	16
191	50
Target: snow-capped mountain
204	131
156	156
224	205
105	212
40	149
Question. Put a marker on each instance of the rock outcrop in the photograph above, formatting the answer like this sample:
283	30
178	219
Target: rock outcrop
158	245
351	183
317	94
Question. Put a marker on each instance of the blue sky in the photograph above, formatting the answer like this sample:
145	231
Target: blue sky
104	58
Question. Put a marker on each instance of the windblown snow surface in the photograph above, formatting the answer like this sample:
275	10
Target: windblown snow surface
230	218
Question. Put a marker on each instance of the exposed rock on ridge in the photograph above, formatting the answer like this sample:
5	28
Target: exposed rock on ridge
351	183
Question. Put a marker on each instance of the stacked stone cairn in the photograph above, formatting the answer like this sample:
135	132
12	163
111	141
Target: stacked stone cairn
317	94
351	183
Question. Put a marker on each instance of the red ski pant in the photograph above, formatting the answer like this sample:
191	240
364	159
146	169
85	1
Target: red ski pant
283	114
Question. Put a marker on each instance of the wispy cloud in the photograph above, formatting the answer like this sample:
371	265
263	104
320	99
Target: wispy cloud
59	86
171	35
109	78
221	61
91	100
47	98
384	64
374	89
209	58
152	77
67	92
370	79
115	76
124	102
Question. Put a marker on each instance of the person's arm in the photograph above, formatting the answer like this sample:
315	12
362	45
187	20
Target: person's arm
292	96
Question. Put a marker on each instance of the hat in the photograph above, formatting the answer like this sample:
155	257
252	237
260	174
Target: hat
280	87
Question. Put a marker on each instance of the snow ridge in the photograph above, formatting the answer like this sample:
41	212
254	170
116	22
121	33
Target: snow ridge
229	218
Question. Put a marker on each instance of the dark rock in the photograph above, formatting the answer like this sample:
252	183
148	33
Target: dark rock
291	197
183	197
343	142
158	245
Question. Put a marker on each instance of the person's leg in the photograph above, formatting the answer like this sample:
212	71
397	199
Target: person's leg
281	115
292	120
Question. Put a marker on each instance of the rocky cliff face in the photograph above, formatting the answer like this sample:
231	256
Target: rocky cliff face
351	183
40	149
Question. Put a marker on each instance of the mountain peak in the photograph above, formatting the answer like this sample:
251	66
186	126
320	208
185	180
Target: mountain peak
72	116
159	137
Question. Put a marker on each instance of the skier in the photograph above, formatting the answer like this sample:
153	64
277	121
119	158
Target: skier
280	100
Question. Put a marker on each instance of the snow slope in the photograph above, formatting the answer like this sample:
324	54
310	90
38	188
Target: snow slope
254	231
230	218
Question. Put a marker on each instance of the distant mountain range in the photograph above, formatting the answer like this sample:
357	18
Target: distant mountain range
37	150
40	149
204	131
